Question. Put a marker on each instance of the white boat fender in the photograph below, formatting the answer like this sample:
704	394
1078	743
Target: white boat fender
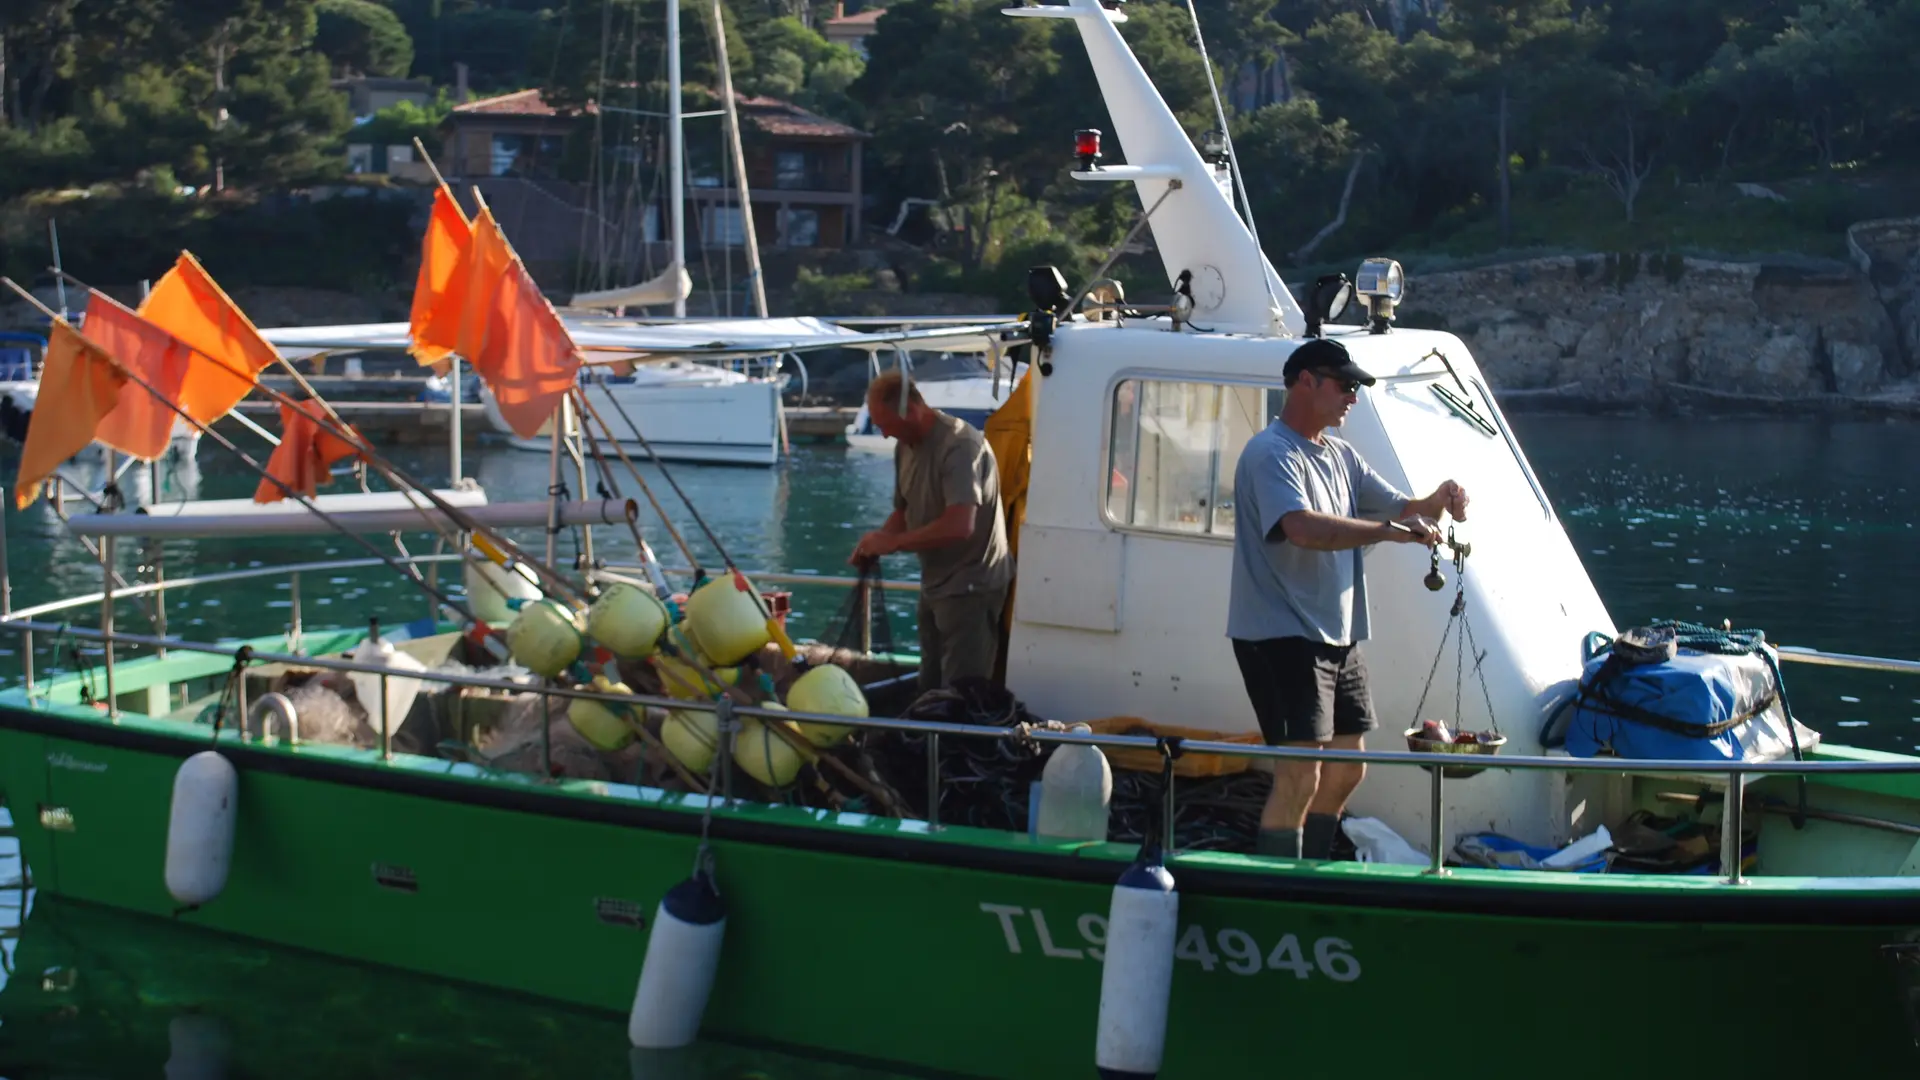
206	791
1136	976
683	955
1076	788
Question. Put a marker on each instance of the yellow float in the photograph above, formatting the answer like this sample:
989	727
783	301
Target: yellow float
724	615
763	754
489	588
627	619
684	681
604	724
545	638
828	689
693	737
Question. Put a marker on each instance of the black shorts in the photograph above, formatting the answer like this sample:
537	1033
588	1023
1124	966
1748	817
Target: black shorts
1304	690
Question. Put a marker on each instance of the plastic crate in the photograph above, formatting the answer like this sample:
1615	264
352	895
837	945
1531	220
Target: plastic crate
1190	765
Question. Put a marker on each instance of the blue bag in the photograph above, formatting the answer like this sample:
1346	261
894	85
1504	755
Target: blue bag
1697	705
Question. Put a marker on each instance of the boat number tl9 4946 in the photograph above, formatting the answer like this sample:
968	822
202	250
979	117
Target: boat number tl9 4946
1232	950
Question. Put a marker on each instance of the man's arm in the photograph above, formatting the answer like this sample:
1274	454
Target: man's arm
953	526
1316	531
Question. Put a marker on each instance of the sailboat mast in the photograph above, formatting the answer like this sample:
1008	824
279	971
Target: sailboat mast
739	162
676	146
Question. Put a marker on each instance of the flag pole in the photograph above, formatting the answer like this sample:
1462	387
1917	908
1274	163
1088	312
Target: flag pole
456	418
401	568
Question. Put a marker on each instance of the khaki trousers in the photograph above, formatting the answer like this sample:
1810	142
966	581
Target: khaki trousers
959	635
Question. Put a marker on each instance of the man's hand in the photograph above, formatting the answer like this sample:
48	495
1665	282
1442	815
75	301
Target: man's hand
871	546
1450	498
1414	530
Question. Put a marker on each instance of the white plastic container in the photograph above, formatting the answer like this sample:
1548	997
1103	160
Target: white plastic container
1076	789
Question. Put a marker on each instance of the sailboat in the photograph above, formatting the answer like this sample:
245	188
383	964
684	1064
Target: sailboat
694	411
875	930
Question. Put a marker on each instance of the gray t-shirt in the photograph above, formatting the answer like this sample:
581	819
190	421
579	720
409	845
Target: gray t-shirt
1280	589
952	465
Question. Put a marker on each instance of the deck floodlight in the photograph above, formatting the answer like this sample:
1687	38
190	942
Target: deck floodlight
1383	284
1086	147
1213	147
1332	295
1047	288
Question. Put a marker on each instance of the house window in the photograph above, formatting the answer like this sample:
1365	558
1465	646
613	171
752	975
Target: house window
722	225
1172	449
790	169
506	150
524	155
803	228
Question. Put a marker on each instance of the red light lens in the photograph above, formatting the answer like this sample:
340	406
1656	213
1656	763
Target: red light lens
1086	142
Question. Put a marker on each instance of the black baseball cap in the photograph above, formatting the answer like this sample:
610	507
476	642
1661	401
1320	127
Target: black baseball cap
1325	356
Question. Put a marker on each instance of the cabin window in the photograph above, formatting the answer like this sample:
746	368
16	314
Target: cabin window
1172	448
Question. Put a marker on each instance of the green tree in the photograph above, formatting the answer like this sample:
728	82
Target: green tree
1516	43
1616	122
1824	61
1307	168
360	37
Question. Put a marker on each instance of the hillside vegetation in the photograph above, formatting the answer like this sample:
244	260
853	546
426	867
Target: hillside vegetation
1448	129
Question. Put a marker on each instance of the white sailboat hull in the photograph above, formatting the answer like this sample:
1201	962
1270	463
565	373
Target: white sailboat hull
735	423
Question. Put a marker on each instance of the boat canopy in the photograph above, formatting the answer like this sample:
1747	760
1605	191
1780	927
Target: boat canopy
607	340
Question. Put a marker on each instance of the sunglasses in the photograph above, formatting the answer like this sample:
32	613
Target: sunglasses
1347	386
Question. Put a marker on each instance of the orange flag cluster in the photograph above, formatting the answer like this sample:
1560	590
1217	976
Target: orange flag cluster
126	380
190	352
474	297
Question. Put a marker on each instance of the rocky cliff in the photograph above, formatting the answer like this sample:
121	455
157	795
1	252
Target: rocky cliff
1646	330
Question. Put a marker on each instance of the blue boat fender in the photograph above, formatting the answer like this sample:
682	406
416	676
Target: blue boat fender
683	955
1136	977
206	790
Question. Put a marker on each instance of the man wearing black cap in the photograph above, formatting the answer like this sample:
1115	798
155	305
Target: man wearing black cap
1306	509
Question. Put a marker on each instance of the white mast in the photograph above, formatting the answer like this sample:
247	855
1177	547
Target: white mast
676	184
1197	229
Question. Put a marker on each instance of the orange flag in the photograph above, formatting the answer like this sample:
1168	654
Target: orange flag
141	424
79	385
483	268
229	353
306	455
529	361
440	291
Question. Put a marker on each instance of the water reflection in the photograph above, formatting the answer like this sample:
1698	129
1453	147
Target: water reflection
102	993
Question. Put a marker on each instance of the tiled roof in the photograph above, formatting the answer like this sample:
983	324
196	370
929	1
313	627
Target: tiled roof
860	21
775	117
518	103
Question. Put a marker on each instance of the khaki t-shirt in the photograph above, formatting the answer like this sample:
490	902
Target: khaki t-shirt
954	465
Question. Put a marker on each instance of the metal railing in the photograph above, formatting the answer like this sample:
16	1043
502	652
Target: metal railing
1737	773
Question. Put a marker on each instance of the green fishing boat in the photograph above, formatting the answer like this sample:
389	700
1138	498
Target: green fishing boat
1776	931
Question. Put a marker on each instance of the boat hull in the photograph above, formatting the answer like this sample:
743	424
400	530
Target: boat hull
736	423
969	952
